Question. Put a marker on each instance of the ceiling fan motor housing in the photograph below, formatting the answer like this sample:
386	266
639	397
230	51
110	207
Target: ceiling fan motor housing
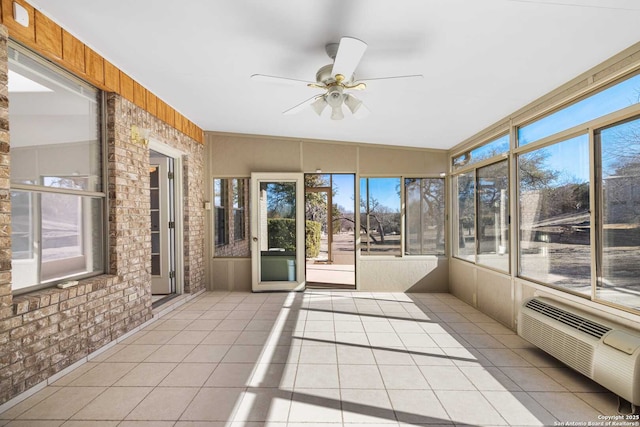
324	76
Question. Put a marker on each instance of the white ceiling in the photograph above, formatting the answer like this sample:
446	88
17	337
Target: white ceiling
481	59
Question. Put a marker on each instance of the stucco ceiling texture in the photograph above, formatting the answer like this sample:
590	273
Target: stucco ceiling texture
481	59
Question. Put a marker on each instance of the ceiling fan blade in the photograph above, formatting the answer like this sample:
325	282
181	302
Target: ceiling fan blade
276	79
409	77
348	57
296	109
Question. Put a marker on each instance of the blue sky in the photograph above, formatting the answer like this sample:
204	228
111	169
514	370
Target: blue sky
615	98
384	190
344	186
570	158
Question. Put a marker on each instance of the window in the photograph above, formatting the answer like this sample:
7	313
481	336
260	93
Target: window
424	229
465	230
239	218
481	229
619	229
554	215
220	187
380	216
492	183
485	151
57	213
612	99
481	206
231	220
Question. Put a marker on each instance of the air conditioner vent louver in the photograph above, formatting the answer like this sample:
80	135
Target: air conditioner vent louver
604	351
572	320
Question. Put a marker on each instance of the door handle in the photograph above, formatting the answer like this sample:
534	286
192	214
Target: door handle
255	239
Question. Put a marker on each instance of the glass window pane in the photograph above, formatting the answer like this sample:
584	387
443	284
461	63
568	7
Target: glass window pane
231	217
493	215
620	193
238	209
238	193
61	226
554	215
154	177
221	226
380	216
219	192
424	198
61	239
155	242
464	232
22	225
277	219
602	103
156	267
238	224
486	151
220	202
66	140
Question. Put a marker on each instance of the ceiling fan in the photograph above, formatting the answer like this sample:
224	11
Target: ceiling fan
337	80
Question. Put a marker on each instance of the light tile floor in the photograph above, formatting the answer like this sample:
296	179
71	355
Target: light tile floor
318	358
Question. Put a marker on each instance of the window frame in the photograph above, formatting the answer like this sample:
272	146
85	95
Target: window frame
598	200
401	212
478	205
539	145
221	207
232	247
405	216
473	167
239	200
569	102
35	190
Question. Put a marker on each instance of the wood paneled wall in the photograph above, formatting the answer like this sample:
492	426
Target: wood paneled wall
50	40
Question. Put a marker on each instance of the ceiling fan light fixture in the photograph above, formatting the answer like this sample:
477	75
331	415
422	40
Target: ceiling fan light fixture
319	105
352	103
357	108
336	113
334	96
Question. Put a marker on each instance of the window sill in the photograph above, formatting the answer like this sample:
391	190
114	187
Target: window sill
42	298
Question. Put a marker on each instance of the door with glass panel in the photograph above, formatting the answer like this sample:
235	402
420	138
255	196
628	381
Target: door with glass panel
162	224
277	227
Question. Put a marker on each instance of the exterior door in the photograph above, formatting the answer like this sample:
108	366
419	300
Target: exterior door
277	226
162	225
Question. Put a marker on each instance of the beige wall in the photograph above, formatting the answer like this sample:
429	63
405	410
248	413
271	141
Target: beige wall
234	155
501	295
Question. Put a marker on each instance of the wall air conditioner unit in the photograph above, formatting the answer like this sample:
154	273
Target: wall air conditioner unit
602	350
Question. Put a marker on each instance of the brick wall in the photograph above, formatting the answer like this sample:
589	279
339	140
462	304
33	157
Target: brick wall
45	331
128	186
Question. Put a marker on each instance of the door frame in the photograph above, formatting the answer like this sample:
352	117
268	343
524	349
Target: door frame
159	282
178	183
256	284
